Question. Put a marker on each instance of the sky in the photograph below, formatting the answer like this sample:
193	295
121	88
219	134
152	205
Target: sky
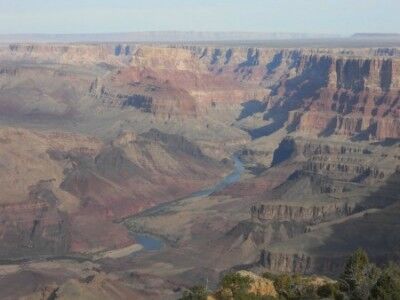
105	16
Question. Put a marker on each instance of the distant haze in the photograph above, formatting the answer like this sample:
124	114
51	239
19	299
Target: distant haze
162	36
343	17
271	40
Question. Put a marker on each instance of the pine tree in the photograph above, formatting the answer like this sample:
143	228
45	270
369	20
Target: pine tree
359	276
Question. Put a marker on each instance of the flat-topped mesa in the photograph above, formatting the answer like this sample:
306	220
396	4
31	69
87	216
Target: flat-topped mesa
71	54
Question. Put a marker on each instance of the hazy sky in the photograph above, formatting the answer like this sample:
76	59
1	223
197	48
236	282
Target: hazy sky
92	16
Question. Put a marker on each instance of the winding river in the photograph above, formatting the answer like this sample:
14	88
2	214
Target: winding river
153	243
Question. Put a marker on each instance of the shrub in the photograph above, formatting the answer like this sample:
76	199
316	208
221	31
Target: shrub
270	276
326	290
284	284
251	296
388	284
293	287
339	296
195	293
359	276
238	284
354	270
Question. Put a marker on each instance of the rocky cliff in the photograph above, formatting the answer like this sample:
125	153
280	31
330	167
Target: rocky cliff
306	223
346	92
317	91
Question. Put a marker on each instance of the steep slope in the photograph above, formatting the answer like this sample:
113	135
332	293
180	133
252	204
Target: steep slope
61	192
355	97
347	92
326	209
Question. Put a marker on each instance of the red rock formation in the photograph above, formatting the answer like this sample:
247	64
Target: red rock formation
353	92
353	96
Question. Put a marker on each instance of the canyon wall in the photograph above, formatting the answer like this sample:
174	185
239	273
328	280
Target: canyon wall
337	105
347	92
341	195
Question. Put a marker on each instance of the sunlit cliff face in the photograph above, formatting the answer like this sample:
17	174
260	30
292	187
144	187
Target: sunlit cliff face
352	93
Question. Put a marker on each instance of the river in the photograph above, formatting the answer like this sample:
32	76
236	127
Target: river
153	243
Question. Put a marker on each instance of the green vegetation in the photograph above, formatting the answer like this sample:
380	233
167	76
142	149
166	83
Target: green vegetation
233	286
195	293
236	286
360	280
387	286
296	287
328	290
236	283
359	276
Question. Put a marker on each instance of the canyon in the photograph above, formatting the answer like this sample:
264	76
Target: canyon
100	142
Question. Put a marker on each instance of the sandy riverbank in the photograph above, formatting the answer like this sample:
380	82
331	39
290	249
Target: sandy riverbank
118	253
